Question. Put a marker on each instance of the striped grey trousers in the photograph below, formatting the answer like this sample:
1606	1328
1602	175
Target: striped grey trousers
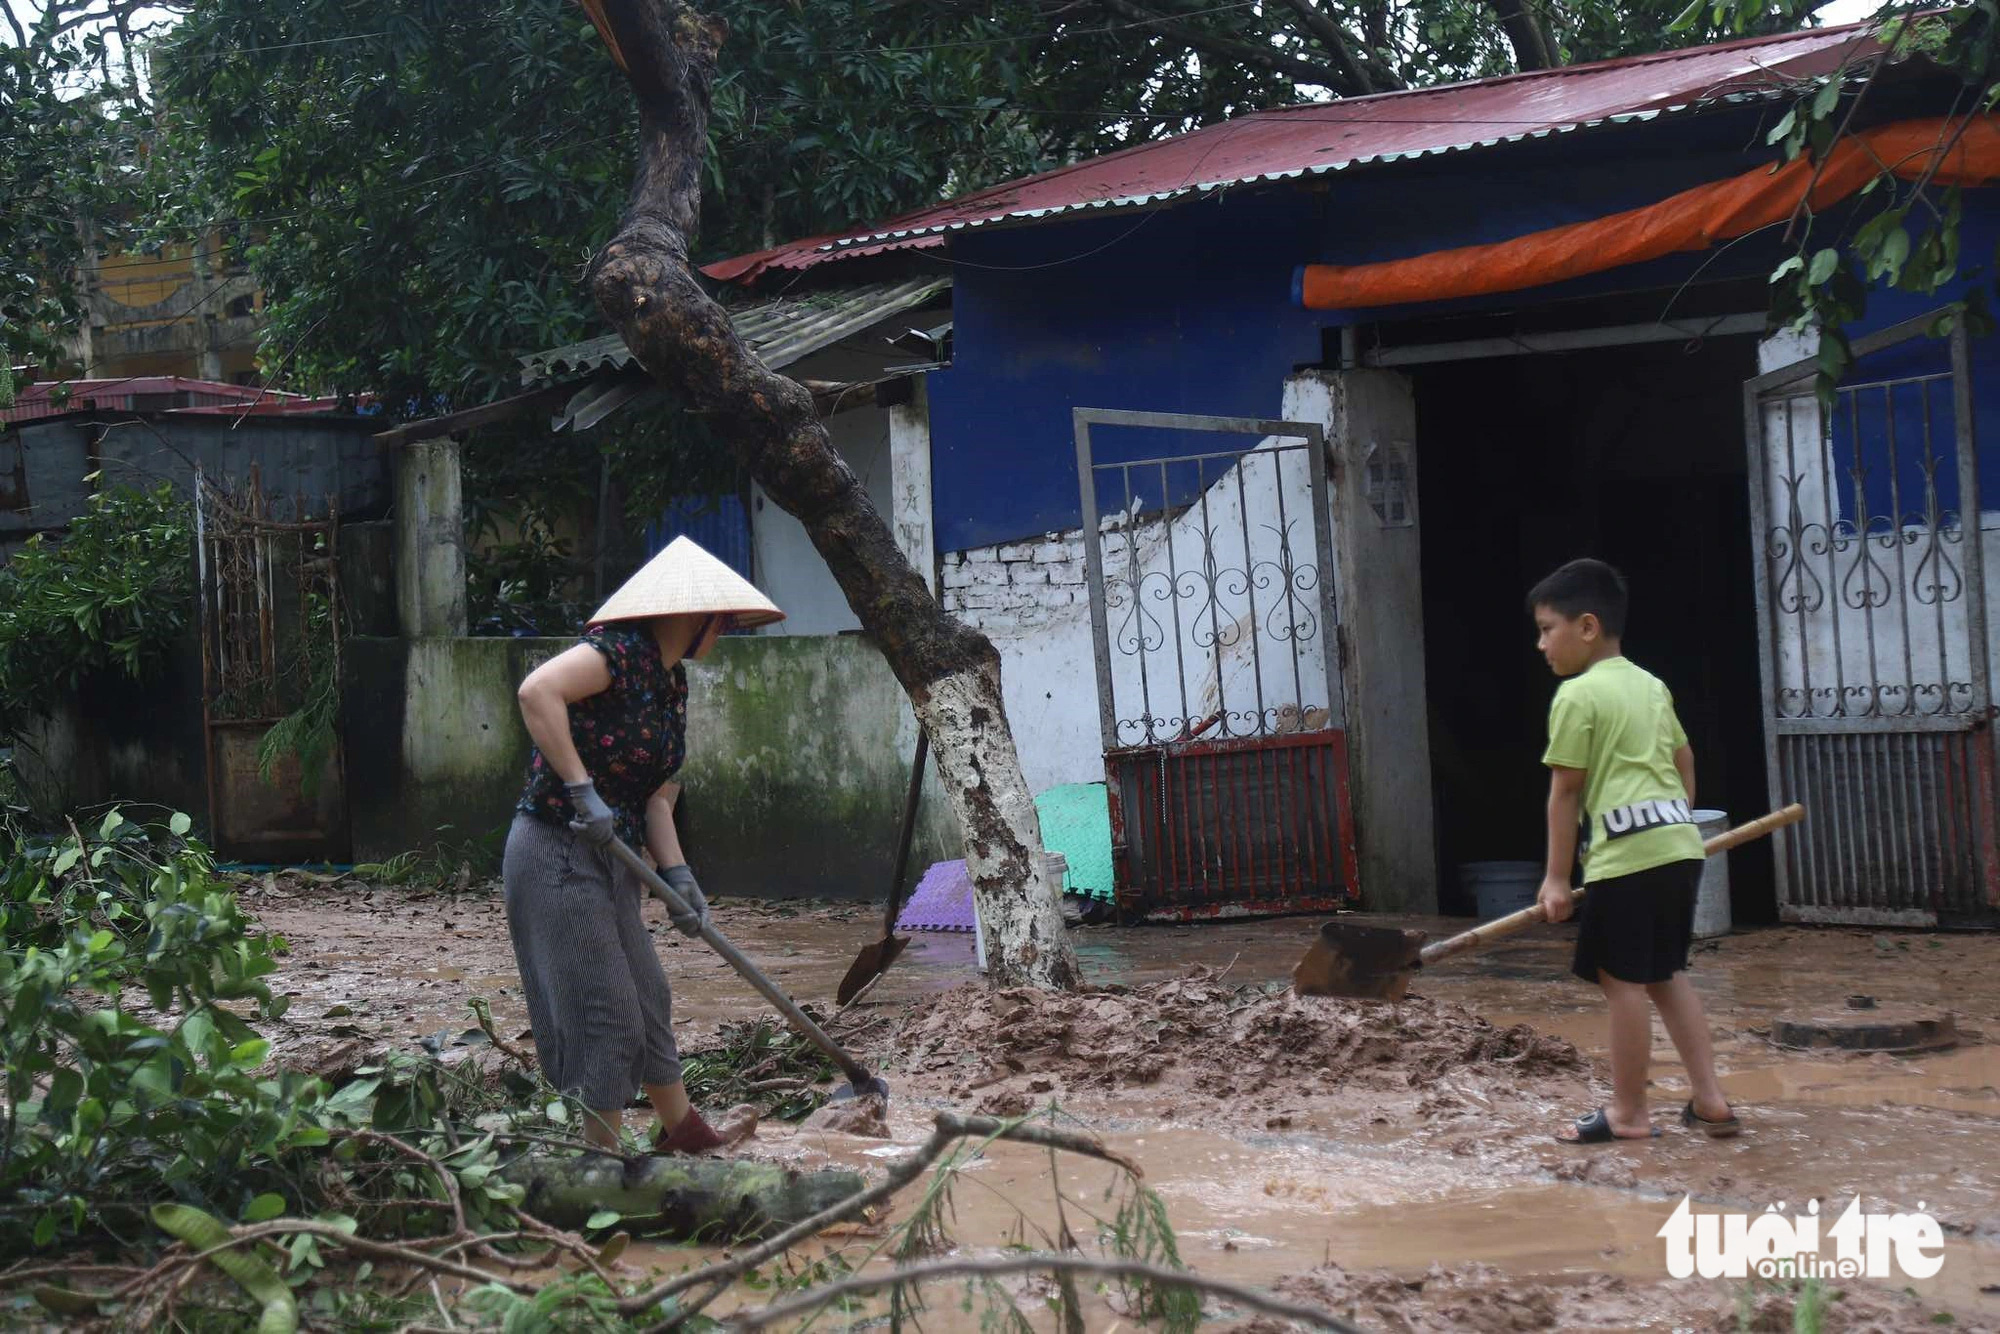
597	997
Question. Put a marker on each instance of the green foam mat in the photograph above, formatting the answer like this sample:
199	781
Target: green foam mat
1076	821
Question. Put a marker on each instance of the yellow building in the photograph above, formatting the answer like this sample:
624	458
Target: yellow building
184	310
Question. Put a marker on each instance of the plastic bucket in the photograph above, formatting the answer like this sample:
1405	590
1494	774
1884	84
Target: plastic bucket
1711	903
1500	887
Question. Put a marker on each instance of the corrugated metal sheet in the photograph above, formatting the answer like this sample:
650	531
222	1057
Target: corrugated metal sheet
1333	136
781	331
718	524
136	393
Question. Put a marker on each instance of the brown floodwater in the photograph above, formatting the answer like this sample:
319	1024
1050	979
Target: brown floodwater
1453	1166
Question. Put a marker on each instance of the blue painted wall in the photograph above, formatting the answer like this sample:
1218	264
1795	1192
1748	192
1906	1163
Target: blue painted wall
1186	310
1191	309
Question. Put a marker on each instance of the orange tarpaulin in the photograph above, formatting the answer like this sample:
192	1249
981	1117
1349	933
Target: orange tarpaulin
1691	220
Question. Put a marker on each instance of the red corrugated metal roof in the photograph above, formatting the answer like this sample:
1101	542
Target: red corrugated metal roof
156	393
1331	136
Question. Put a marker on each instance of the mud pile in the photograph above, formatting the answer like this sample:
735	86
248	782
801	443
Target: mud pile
1199	1032
1479	1299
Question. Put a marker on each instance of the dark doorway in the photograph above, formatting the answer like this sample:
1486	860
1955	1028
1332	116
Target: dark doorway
1631	454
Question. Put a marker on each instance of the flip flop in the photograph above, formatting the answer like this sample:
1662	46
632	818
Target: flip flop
1727	1128
1595	1128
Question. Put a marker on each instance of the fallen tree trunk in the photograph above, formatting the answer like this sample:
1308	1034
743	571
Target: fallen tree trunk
717	1200
643	282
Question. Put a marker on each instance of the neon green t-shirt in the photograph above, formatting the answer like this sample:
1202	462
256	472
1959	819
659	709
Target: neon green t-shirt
1615	721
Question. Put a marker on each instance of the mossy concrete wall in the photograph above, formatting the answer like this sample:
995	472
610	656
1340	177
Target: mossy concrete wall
798	758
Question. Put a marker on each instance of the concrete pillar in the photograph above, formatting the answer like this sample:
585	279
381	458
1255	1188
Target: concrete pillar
1370	420
910	480
208	328
430	540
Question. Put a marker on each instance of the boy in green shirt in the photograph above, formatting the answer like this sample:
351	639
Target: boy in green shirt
1621	785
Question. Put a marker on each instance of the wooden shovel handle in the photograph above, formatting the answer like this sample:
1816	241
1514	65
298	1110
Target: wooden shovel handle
1501	927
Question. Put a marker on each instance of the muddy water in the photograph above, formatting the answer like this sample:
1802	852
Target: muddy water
1457	1170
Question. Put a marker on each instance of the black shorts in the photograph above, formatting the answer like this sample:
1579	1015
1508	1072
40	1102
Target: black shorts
1638	927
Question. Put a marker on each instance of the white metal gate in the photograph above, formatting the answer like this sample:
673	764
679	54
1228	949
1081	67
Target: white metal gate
1876	671
1218	670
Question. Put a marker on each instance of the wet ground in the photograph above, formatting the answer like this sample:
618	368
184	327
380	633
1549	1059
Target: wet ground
1414	1136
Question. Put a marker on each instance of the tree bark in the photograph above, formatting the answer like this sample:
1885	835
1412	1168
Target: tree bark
644	284
1525	34
718	1200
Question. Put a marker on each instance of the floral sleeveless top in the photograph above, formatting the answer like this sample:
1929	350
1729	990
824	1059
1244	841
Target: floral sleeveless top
632	736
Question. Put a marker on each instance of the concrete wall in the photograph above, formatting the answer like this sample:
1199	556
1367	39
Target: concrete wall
117	739
798	757
315	459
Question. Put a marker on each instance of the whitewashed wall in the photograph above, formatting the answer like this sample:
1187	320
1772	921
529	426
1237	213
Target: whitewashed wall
789	568
1032	600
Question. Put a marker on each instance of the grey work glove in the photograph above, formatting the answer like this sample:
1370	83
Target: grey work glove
681	880
594	822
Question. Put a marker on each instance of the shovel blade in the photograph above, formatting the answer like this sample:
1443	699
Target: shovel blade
871	963
1365	962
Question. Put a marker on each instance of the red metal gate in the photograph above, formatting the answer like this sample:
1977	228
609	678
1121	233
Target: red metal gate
1218	676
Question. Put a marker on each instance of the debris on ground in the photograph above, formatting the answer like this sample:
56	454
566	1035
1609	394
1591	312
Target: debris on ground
866	1116
1480	1299
760	1062
1171	1032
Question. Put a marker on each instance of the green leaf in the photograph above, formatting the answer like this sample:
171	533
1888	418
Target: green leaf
251	1053
203	1233
112	819
65	860
1824	263
264	1208
1784	127
603	1218
353	1101
180	824
556	1112
63	1301
1827	99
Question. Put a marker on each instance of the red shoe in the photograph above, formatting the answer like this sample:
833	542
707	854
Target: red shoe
690	1135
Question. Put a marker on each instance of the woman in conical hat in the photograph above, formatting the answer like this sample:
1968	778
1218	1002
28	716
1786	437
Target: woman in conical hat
609	722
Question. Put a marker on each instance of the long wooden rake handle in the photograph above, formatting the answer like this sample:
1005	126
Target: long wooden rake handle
1501	927
857	1074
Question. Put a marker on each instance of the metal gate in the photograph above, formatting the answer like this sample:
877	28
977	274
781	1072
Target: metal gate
1871	595
1210	577
271	625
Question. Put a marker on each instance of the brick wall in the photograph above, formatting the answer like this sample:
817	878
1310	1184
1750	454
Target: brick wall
1022	586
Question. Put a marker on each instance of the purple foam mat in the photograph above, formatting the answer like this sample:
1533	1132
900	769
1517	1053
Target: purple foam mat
942	901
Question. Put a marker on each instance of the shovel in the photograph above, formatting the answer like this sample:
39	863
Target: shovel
1375	962
860	1083
874	960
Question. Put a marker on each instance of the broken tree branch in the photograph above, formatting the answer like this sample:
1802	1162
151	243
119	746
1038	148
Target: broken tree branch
644	284
815	1298
950	1128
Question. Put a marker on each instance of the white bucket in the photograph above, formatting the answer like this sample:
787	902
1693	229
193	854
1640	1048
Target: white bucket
1711	904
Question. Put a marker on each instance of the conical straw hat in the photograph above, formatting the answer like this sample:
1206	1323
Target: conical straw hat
684	580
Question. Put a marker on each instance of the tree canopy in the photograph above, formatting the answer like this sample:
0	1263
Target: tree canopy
61	91
418	184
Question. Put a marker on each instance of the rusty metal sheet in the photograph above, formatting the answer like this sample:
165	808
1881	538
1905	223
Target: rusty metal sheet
1242	828
257	820
1316	138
